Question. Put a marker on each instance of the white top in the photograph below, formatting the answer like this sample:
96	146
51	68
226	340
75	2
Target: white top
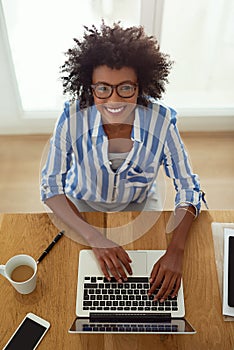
117	159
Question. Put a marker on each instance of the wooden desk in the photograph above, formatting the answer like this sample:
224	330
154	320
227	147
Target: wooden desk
55	296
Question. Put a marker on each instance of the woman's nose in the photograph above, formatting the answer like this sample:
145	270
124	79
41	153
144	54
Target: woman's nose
114	97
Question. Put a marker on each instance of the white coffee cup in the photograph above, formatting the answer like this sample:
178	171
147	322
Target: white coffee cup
24	287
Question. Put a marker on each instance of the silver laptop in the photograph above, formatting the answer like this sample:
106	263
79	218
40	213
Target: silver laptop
104	306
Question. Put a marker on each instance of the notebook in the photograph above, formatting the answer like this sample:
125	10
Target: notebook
104	306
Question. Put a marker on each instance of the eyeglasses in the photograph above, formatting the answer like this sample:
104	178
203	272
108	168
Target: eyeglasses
126	89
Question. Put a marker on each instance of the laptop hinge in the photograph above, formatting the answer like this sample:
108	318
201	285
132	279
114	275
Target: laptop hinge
130	317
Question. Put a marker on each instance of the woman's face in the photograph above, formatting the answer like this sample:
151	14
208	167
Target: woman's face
116	108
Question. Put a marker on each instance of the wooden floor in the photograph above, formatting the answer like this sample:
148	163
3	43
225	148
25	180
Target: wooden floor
211	155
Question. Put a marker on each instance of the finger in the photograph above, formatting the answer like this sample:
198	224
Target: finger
122	272
119	268
125	260
166	289
128	257
158	280
114	267
104	269
154	273
176	287
125	255
162	281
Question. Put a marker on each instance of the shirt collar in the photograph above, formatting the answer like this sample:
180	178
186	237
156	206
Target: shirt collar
136	134
97	125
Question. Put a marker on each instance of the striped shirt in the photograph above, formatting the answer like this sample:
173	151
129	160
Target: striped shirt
78	164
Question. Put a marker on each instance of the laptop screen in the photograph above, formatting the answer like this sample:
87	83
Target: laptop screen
172	326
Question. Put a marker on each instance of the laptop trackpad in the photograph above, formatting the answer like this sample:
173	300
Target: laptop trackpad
139	261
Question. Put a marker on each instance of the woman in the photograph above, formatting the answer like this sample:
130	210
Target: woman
110	141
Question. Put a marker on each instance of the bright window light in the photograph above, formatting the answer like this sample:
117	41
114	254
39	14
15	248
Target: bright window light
199	36
40	32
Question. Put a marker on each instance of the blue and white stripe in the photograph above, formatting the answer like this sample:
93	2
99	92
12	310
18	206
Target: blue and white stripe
78	163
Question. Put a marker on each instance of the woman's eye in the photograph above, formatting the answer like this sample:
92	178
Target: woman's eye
126	87
102	88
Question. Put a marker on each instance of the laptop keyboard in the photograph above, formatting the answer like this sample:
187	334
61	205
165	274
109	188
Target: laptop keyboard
105	327
103	295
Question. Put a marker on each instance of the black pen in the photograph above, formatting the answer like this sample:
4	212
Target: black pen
46	251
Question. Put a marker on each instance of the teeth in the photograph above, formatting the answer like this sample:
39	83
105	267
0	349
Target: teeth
115	110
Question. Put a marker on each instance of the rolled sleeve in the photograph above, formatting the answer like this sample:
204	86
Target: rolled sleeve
177	166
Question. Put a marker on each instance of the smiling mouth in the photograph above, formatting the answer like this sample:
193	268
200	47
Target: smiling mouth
115	110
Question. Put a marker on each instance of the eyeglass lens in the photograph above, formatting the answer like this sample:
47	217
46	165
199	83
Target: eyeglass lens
102	90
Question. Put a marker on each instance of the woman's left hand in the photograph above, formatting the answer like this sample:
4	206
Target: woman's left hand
167	272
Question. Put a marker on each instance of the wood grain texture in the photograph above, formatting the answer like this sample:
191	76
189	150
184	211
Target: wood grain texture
55	295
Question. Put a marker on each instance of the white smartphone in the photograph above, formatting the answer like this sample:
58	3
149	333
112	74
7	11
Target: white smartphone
29	333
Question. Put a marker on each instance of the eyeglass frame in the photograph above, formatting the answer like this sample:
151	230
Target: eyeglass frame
93	86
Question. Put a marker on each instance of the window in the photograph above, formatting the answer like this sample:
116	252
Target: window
39	33
198	35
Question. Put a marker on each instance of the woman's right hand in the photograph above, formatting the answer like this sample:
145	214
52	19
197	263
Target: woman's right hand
113	260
